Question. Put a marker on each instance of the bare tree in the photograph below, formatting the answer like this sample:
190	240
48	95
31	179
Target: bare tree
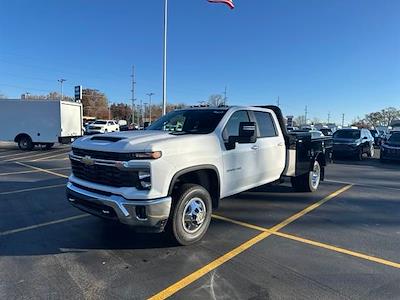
216	100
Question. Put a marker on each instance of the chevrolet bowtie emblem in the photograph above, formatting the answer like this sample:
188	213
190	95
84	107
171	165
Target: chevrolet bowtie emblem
87	160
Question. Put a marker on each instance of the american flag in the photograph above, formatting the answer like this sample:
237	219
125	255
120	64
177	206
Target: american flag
227	2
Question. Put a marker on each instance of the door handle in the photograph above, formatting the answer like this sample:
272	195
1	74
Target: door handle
280	144
255	147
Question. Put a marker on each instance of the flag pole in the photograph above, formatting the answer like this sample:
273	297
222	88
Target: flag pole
164	104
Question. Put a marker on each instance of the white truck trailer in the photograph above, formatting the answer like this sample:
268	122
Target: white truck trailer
40	122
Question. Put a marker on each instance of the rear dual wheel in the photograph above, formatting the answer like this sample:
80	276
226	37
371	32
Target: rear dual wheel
308	182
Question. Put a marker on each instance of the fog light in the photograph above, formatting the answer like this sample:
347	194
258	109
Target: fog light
145	179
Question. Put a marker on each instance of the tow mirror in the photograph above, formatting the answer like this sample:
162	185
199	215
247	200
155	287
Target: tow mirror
247	135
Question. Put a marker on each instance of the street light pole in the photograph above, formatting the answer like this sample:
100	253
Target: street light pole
164	104
61	81
150	94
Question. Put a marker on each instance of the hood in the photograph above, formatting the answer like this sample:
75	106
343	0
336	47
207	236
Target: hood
126	141
392	144
344	141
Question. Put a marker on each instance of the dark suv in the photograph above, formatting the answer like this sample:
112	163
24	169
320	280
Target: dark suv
353	142
390	150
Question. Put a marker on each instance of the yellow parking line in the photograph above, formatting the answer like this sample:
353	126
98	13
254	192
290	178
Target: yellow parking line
33	155
32	189
340	250
42	170
31	171
313	243
47	157
8	232
171	290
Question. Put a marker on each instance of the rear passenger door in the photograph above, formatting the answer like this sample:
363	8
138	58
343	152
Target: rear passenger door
271	152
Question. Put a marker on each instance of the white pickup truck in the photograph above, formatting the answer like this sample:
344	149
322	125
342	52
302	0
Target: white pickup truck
102	126
170	176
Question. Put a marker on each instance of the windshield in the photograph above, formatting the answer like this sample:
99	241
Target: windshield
100	122
189	121
394	138
347	134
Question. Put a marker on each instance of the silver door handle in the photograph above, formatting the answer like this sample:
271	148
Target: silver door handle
255	147
280	144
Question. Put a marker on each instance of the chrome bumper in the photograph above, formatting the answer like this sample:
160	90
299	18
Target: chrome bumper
149	215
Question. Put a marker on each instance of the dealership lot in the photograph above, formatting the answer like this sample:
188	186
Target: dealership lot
340	242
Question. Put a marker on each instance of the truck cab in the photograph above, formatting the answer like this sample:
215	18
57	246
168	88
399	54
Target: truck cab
172	175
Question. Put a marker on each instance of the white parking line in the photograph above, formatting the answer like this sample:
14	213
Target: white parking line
32	189
47	157
34	155
364	185
8	232
42	170
31	171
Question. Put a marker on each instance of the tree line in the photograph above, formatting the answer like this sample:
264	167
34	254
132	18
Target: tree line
96	104
384	117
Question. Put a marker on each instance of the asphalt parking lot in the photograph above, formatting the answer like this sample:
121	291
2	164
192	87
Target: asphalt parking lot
269	243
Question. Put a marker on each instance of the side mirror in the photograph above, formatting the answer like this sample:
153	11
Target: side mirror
247	135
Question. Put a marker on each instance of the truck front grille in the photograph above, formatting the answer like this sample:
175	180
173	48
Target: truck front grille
102	155
107	175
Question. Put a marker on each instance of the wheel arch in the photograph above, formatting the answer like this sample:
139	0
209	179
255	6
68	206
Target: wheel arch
205	175
20	135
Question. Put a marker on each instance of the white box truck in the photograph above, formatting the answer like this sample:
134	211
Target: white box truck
40	122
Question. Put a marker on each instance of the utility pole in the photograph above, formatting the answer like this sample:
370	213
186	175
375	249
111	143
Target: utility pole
144	114
164	104
225	97
61	81
133	95
141	112
278	102
305	115
329	117
342	120
150	94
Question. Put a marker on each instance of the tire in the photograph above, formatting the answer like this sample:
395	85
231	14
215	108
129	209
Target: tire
308	182
49	146
359	155
371	151
25	143
194	201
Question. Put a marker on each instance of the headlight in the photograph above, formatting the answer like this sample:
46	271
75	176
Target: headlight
146	155
144	180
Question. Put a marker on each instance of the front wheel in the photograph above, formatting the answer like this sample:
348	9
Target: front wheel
191	214
308	182
25	143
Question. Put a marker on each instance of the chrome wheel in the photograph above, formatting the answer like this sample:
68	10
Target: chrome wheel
315	175
194	215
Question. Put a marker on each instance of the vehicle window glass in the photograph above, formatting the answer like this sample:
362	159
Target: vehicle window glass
100	122
265	124
347	134
232	127
193	121
394	138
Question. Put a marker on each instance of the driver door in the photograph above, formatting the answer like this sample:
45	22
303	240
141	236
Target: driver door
239	164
